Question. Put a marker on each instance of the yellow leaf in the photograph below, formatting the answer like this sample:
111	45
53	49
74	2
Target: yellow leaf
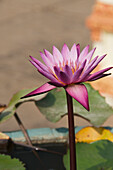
3	136
92	134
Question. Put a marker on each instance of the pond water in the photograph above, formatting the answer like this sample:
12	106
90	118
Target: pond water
48	160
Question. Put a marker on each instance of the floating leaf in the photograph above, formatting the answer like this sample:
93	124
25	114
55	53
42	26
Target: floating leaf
54	106
99	109
16	101
95	156
92	134
6	163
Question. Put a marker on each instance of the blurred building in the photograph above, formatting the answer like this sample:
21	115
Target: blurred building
100	23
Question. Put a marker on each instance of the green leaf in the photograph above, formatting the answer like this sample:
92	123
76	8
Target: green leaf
7	113
99	109
54	106
6	163
16	101
95	156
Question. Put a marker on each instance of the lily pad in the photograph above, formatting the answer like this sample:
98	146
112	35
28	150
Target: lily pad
6	163
16	101
54	106
98	155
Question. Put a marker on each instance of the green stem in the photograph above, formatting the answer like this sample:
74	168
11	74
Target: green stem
72	146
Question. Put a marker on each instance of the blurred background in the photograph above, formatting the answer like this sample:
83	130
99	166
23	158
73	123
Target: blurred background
27	27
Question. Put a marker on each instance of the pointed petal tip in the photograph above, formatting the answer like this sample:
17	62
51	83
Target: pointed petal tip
65	49
33	63
55	50
78	45
104	55
45	51
54	47
110	69
85	104
40	52
73	47
78	49
79	93
94	49
88	46
85	50
30	61
65	45
87	108
42	89
31	57
74	44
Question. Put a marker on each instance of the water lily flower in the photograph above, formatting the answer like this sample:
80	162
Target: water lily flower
69	69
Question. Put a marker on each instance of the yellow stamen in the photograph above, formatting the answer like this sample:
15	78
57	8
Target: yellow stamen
58	79
73	70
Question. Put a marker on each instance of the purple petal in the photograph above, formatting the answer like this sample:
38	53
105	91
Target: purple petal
100	76
47	74
49	55
73	53
65	52
64	78
57	71
88	70
42	71
79	93
78	54
68	71
78	49
89	55
57	55
46	61
99	73
89	66
97	61
78	73
83	53
43	89
41	65
57	84
33	63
